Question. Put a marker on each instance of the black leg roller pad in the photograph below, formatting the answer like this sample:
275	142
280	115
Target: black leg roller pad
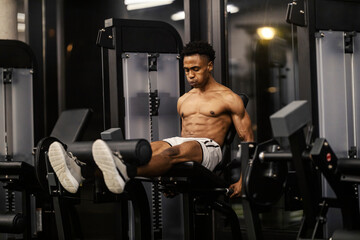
136	152
11	223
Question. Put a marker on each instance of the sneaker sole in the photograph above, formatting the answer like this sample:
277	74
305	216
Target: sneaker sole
57	158
103	158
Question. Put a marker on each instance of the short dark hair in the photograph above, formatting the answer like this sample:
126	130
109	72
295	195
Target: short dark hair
199	47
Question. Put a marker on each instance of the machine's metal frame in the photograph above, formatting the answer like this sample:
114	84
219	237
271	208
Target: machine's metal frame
327	54
140	73
21	106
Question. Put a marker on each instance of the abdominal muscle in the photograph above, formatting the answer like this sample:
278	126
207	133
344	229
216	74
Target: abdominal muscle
200	126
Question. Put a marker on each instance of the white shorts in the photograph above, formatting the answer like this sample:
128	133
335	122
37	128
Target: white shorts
211	150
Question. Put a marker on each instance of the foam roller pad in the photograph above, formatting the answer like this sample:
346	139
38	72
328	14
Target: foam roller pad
137	152
11	223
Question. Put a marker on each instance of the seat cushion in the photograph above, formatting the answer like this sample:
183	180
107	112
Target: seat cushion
197	175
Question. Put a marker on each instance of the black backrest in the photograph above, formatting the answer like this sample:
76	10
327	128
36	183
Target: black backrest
71	124
16	54
229	138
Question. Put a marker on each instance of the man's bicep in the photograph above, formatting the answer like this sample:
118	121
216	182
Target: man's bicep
249	135
179	102
240	118
178	106
242	123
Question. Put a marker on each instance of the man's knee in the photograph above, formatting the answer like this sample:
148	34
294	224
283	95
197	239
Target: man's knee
159	146
171	152
187	151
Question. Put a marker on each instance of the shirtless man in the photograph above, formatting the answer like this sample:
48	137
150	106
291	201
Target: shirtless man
206	111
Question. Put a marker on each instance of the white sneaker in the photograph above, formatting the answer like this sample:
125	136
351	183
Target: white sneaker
65	167
113	169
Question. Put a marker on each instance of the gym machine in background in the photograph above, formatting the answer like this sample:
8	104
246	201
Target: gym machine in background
68	220
307	160
138	80
328	56
265	177
20	106
144	78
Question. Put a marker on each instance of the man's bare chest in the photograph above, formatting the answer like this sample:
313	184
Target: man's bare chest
206	106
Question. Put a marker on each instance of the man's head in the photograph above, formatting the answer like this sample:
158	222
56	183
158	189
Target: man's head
198	63
199	47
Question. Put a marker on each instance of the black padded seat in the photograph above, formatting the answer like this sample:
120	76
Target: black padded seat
16	54
20	175
197	175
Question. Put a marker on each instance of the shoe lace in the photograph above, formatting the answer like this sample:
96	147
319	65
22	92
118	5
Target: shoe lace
76	160
118	155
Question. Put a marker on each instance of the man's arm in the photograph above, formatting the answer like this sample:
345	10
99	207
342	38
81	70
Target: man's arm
242	123
179	103
241	119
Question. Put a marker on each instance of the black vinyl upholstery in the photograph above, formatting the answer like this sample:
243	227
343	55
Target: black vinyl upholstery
71	124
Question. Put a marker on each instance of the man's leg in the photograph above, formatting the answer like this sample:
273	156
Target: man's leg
159	146
163	159
114	170
65	166
111	165
164	156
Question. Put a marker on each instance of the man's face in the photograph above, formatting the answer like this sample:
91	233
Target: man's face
197	69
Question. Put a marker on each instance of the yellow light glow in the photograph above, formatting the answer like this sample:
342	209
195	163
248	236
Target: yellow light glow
266	33
69	47
272	89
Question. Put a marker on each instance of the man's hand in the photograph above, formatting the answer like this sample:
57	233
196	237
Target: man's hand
236	187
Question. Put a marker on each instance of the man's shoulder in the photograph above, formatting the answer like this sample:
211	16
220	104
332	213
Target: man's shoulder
184	96
187	94
232	99
226	93
223	89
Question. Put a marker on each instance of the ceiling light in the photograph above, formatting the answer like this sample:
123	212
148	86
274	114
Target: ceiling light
178	16
129	2
181	15
21	17
21	27
140	4
231	8
266	33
